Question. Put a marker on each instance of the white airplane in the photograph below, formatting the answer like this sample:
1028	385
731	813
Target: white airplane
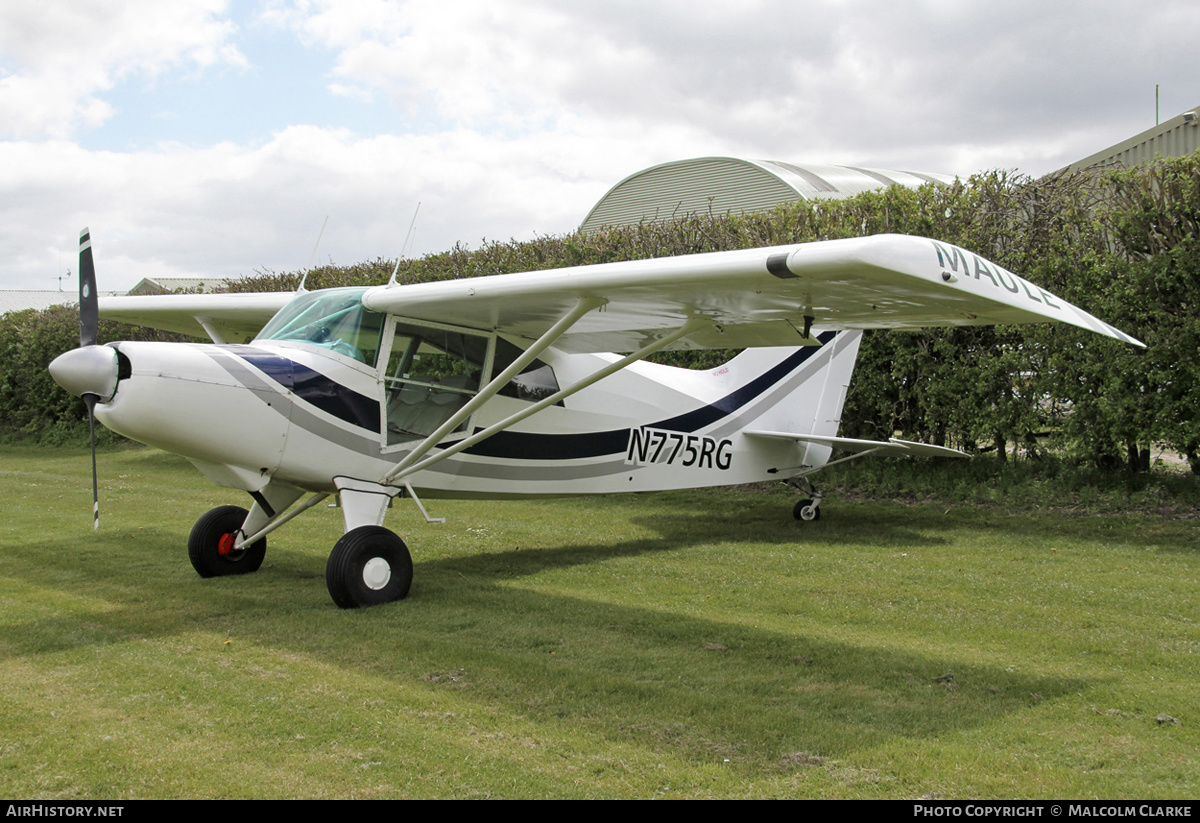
505	386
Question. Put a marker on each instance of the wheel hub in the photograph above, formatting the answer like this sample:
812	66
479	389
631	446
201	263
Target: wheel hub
225	544
376	573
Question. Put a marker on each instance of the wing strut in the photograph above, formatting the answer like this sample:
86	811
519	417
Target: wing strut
243	541
211	329
407	467
585	305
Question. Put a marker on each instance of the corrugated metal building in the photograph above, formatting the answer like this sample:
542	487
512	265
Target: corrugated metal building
20	299
724	185
39	299
1177	137
171	285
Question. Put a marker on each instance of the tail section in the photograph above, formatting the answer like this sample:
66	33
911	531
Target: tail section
808	397
742	422
836	382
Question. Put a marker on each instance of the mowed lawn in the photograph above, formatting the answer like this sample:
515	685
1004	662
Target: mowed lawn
699	644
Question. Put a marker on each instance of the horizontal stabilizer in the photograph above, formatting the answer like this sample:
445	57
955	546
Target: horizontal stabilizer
889	448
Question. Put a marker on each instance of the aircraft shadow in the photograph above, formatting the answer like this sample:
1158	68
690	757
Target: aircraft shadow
668	679
680	530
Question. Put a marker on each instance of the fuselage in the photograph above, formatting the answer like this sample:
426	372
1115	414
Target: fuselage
302	414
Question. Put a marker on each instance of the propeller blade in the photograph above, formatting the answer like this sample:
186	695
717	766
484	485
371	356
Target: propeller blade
89	324
89	304
90	401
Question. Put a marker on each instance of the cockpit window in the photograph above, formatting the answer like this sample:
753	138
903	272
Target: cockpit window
431	374
333	319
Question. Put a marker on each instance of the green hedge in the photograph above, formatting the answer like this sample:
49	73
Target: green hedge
1121	245
32	406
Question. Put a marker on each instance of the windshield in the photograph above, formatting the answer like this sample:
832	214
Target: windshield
332	319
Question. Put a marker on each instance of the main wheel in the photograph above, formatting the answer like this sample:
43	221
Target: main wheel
805	510
210	545
368	566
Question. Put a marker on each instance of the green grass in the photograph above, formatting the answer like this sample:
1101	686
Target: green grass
696	644
1048	484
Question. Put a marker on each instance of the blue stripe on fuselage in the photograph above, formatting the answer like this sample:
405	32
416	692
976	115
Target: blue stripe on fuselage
359	410
313	387
531	446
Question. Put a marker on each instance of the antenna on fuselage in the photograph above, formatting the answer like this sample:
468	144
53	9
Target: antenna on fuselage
404	248
312	257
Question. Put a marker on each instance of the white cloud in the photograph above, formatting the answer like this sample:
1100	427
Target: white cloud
226	210
864	82
512	118
58	57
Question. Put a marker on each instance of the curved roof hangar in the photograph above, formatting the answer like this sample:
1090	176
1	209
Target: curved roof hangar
724	185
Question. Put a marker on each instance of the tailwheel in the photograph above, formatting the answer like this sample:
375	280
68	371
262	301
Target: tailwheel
211	544
370	565
807	511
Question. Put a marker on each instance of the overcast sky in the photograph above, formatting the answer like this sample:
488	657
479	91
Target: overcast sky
212	138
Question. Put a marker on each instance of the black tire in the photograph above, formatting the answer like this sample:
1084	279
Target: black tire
210	544
367	567
805	511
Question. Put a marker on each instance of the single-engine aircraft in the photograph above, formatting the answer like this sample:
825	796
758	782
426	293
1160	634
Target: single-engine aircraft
508	385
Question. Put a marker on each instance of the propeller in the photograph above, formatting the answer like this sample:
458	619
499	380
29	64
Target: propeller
89	323
90	371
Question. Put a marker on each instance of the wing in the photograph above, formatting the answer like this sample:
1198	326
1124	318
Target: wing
754	297
226	318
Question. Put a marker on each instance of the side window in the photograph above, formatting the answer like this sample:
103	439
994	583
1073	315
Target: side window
431	374
534	383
